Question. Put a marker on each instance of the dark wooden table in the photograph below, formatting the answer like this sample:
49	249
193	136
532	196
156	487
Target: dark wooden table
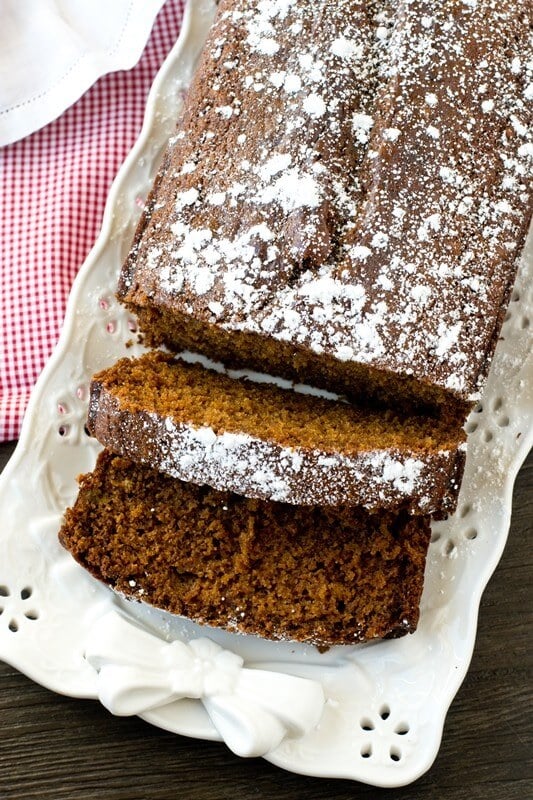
63	749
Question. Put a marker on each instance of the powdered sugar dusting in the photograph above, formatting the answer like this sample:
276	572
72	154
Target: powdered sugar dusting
238	461
308	136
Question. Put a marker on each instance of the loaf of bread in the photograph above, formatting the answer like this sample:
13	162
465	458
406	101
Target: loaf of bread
312	574
263	441
346	196
343	204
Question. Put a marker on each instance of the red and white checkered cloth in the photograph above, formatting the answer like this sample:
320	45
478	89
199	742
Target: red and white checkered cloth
53	188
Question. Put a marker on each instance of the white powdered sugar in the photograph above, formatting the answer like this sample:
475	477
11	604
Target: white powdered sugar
308	137
346	48
391	134
291	190
362	125
314	105
277	163
238	461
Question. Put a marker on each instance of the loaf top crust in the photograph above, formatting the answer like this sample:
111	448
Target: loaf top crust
353	178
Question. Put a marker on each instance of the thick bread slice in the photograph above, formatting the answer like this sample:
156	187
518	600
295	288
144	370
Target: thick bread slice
320	575
263	441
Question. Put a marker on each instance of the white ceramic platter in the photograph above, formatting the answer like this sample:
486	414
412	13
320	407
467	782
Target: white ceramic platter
374	712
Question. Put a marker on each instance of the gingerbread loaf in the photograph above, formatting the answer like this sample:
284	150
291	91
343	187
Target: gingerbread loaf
312	574
267	442
346	196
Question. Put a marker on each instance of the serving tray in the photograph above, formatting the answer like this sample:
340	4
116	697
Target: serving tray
371	712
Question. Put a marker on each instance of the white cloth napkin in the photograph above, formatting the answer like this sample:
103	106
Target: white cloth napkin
52	51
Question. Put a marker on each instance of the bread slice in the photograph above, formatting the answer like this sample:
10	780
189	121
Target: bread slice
267	442
311	574
346	196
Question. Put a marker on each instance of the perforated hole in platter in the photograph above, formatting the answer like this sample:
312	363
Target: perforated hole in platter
63	430
503	421
390	729
470	533
487	436
524	323
435	536
465	510
111	327
81	392
497	403
132	326
62	408
18	607
366	751
471	427
515	297
450	549
86	431
104	303
395	754
401	729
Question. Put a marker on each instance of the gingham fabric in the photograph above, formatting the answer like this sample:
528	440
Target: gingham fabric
53	188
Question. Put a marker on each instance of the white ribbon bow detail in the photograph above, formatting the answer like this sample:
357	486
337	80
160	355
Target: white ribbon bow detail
252	709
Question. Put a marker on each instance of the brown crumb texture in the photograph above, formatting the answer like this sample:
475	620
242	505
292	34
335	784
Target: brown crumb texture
318	575
237	349
158	383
